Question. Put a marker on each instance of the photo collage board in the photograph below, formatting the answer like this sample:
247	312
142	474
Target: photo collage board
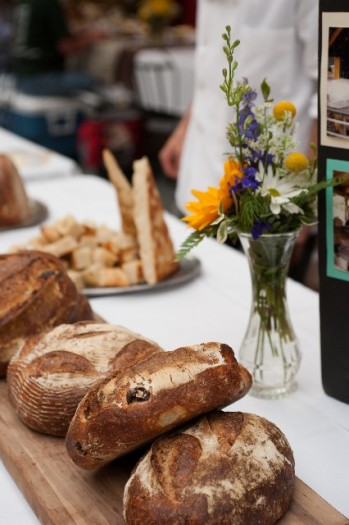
333	226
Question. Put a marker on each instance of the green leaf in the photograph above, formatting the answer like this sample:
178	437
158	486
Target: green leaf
265	88
193	240
222	232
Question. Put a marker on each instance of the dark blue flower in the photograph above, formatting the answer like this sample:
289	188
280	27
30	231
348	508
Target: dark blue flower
259	226
248	124
248	180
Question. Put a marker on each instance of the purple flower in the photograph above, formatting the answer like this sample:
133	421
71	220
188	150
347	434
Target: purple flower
248	180
249	97
259	226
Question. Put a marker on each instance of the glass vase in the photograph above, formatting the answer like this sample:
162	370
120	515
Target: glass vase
270	349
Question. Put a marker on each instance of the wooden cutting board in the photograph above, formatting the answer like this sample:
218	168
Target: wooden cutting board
61	493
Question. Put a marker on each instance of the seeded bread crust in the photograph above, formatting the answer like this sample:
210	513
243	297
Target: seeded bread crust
134	406
229	468
53	371
36	295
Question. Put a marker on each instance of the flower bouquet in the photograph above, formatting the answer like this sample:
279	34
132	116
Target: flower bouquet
157	14
267	192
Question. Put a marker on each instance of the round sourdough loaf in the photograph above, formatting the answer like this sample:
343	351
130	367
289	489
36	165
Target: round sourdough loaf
14	202
134	406
53	371
36	294
228	468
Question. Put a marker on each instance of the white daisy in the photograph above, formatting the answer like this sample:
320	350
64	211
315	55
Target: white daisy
280	189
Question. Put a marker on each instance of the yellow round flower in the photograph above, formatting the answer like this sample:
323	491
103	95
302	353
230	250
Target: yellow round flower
296	162
282	107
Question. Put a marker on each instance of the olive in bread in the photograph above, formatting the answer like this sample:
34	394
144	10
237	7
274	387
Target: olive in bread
53	371
132	407
230	468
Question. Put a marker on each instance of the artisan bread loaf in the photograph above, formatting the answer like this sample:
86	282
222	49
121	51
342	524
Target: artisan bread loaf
228	468
36	294
53	371
155	245
134	406
14	202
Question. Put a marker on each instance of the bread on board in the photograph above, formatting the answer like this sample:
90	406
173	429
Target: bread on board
14	201
36	294
53	371
228	468
134	406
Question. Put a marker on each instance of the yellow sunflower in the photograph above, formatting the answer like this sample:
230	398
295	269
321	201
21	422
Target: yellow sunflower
206	209
232	171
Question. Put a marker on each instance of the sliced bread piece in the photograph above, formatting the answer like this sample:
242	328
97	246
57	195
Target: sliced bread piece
123	191
156	248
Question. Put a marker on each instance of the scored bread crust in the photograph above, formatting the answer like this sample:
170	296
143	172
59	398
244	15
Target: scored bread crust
14	201
53	371
156	248
134	406
230	468
36	294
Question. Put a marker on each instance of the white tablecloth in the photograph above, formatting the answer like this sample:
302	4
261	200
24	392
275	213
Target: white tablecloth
214	306
34	161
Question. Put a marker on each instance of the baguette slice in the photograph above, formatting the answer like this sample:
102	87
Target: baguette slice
134	406
156	248
123	191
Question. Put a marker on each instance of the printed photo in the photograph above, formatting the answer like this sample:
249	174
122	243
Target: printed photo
334	81
337	221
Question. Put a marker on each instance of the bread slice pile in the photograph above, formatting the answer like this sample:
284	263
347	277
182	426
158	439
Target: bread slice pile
97	256
142	217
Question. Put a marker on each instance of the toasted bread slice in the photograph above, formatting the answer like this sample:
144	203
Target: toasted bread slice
123	191
156	249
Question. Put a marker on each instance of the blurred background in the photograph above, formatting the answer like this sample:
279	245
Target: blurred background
143	68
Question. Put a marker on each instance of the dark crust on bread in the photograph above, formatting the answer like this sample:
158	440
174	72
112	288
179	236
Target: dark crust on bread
36	294
228	468
133	407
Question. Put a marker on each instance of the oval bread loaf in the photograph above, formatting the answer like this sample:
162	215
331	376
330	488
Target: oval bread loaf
229	468
134	406
53	371
14	201
36	295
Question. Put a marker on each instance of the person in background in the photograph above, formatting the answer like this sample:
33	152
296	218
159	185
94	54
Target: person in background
278	41
41	44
